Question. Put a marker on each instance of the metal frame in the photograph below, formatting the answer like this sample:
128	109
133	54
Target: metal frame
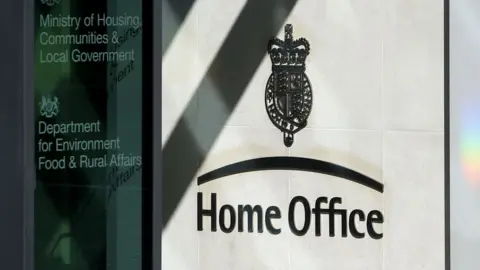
446	48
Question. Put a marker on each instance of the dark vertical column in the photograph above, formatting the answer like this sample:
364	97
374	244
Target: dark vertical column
16	136
157	134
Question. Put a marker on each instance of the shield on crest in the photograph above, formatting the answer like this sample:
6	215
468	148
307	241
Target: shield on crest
288	94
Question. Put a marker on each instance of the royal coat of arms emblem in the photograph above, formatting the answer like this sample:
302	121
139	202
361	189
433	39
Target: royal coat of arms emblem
49	107
288	94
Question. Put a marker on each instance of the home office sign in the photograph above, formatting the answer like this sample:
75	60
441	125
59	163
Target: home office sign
288	101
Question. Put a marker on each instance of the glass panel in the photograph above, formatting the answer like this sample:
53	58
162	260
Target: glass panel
464	137
88	88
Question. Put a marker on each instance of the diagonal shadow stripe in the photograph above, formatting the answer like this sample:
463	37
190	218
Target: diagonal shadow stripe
174	13
231	71
291	164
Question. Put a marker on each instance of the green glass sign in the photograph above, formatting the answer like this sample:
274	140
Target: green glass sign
89	94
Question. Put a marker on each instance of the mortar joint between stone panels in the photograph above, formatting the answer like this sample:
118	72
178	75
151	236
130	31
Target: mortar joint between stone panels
289	237
382	118
416	131
384	202
382	88
342	129
197	97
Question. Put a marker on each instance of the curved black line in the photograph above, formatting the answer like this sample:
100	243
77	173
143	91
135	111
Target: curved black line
291	163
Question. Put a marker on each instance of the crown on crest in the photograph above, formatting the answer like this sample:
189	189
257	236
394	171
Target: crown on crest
288	53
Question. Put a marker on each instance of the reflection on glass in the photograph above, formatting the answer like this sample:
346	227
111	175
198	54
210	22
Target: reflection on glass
88	88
